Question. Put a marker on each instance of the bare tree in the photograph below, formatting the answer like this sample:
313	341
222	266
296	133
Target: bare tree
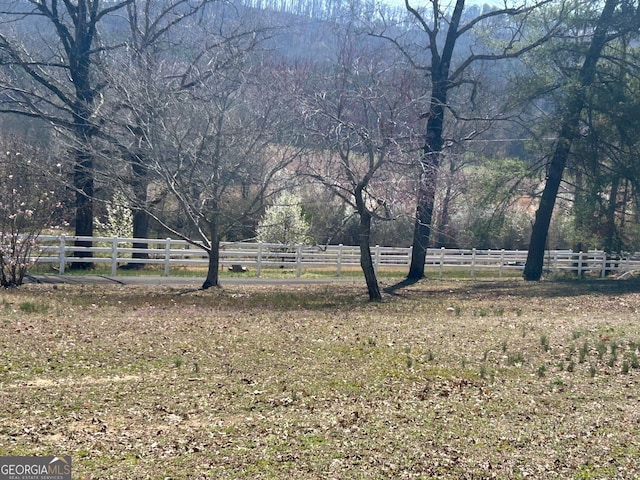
217	137
359	125
48	51
431	46
156	27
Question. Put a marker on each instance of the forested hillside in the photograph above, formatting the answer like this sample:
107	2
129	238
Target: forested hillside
432	125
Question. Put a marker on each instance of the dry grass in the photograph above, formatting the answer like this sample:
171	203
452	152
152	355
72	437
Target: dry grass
444	380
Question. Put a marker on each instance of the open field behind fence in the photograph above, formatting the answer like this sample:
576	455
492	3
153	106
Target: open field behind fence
114	252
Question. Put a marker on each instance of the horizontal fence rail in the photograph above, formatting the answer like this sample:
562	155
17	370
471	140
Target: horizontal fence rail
60	251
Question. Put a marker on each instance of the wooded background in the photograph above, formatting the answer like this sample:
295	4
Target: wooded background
430	124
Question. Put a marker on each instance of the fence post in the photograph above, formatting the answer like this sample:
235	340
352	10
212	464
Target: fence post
61	255
441	261
377	259
603	271
298	260
501	262
167	256
114	256
339	269
410	256
580	264
473	263
259	260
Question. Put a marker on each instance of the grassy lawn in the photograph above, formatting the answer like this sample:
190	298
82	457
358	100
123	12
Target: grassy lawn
384	272
445	379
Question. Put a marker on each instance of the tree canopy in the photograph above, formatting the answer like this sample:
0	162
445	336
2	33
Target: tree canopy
473	124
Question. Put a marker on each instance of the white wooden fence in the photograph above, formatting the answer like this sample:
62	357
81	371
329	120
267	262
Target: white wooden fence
167	253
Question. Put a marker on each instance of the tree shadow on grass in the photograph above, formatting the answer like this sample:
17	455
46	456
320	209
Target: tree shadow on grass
520	288
560	288
404	283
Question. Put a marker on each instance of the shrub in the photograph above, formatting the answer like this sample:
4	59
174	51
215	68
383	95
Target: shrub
284	222
28	205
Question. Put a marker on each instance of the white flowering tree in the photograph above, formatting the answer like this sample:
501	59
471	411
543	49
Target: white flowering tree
119	219
28	205
284	221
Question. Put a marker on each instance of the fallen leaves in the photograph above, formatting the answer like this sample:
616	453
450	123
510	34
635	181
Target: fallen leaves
447	381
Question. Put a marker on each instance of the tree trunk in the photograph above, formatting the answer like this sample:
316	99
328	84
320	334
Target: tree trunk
83	183
611	243
140	216
443	221
79	54
535	256
612	240
212	279
140	230
430	163
582	212
568	134
422	228
430	160
366	262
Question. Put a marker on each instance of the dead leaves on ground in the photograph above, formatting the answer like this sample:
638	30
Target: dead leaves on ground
461	380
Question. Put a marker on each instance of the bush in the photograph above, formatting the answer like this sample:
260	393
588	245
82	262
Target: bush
28	206
284	221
